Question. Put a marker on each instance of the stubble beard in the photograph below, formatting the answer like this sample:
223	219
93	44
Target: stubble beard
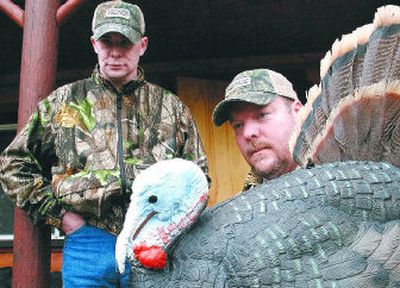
273	170
276	170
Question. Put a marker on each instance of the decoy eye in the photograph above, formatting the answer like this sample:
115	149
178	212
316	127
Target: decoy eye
153	199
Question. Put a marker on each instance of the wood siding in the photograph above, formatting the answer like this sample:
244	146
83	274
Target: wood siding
227	168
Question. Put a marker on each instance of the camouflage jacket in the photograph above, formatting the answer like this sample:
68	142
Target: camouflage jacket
251	180
68	156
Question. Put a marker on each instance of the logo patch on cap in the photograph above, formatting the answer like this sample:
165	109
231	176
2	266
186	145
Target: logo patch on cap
118	12
241	82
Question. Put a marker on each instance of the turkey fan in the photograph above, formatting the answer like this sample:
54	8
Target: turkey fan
354	114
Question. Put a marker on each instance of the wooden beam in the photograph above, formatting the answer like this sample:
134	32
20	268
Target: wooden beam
67	9
13	11
39	54
31	266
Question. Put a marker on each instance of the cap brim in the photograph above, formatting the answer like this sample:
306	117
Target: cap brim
222	111
133	35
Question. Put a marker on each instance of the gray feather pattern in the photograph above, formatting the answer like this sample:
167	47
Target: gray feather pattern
335	225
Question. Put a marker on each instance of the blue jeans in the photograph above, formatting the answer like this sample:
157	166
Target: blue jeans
89	260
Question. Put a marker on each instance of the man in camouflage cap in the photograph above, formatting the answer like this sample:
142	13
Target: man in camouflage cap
260	106
71	165
117	16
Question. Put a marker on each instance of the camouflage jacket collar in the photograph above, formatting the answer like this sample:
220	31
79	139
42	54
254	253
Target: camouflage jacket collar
127	88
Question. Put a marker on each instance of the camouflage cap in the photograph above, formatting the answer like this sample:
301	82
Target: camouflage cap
118	16
258	86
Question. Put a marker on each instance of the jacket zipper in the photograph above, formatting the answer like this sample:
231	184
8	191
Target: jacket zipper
120	147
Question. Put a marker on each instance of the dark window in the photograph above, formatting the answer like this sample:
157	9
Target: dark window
7	133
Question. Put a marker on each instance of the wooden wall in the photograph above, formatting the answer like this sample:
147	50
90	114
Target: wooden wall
227	167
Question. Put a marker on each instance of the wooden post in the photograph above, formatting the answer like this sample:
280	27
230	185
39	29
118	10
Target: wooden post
31	245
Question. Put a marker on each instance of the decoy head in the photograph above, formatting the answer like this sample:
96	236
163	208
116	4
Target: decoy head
167	198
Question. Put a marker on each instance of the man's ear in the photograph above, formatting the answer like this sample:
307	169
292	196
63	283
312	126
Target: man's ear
143	45
94	44
296	106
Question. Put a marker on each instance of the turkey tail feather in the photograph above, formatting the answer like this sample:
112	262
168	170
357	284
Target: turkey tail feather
354	114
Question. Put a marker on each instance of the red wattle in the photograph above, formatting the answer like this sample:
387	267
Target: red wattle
153	257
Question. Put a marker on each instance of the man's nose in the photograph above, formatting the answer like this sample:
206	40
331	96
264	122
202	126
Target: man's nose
250	130
115	51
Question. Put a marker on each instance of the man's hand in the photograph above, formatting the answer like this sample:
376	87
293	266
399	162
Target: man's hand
71	222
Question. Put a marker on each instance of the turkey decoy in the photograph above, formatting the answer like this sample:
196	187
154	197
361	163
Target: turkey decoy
335	223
